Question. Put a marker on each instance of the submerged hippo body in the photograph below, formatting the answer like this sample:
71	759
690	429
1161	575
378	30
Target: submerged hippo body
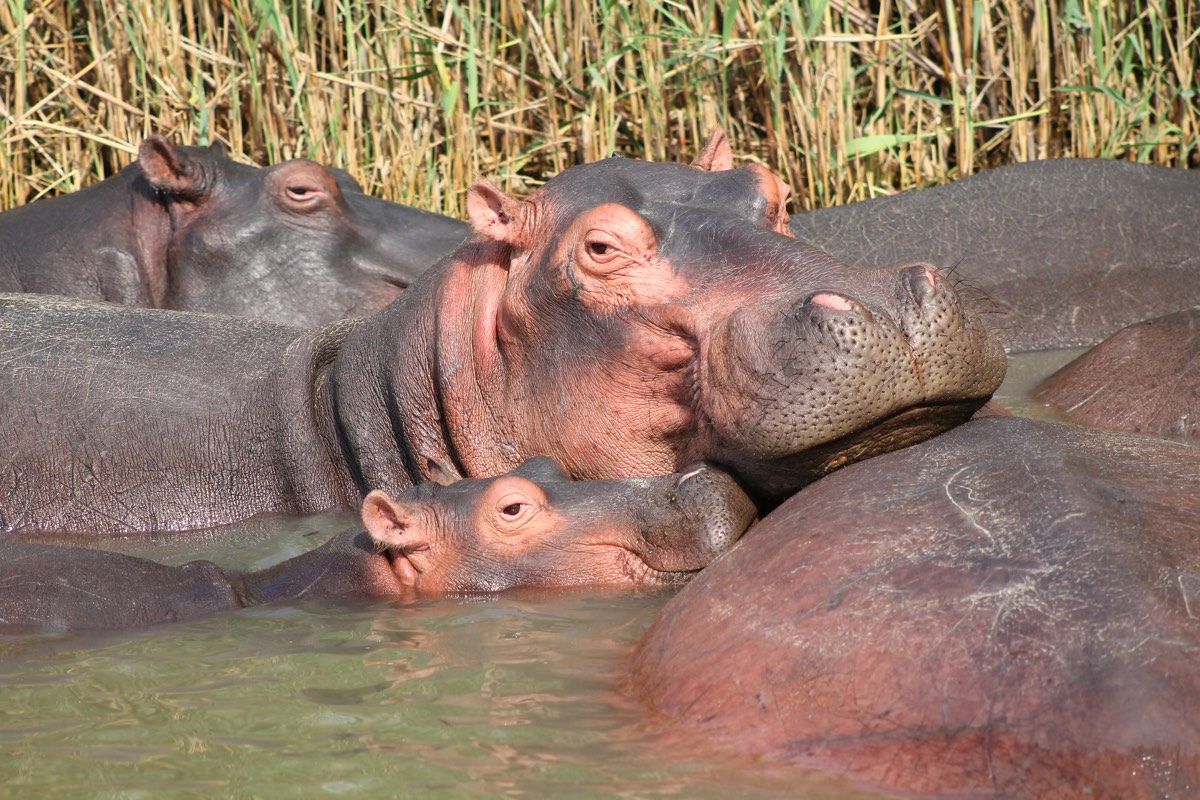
1008	610
1069	250
190	229
1144	378
627	319
532	527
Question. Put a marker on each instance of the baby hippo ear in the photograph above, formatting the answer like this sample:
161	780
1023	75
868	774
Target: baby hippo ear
170	169
386	521
716	155
498	216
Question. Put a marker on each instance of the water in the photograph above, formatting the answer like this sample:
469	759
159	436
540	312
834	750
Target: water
505	696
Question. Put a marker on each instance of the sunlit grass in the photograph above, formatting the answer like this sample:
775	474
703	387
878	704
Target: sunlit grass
846	98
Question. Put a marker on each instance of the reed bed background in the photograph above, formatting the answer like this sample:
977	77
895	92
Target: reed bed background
846	98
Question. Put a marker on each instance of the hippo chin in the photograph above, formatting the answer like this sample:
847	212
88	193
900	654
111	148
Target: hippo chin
1008	610
626	319
188	228
533	527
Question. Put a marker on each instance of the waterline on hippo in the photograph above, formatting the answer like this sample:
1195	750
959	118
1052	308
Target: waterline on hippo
626	319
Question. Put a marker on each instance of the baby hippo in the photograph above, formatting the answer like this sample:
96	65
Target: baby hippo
531	527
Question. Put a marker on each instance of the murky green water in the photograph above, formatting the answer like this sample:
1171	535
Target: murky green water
508	696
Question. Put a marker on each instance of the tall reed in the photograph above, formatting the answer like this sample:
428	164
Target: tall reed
846	98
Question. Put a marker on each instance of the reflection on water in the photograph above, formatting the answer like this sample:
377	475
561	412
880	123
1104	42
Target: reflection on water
509	696
456	698
1025	372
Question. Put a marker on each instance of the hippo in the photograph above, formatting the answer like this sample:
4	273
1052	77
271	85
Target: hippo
188	228
1144	378
1066	252
532	527
626	319
1007	610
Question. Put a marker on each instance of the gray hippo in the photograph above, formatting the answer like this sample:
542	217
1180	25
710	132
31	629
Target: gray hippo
532	527
1008	610
1144	378
188	228
1065	252
626	319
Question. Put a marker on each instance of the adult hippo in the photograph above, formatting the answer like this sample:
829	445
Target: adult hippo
1009	610
189	228
533	527
626	319
1144	379
1069	251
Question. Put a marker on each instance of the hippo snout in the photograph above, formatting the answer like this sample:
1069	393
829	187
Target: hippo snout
716	507
786	379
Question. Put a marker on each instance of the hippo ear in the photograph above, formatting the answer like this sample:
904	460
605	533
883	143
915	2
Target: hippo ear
171	170
386	521
716	155
440	472
496	215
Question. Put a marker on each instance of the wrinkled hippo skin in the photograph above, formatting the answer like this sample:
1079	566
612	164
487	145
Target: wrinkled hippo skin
629	318
1007	610
533	527
1069	250
1144	378
188	228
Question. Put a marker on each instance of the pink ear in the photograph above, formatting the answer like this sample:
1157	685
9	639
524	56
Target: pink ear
171	170
385	520
496	215
716	155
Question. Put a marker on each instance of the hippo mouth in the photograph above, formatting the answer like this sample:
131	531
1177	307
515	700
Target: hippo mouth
773	482
403	567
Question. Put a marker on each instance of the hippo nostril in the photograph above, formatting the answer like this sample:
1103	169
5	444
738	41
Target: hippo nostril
921	282
829	300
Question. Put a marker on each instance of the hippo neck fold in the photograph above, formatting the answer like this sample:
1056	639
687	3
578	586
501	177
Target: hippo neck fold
404	395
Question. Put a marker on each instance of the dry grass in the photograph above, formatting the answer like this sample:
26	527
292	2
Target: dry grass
846	98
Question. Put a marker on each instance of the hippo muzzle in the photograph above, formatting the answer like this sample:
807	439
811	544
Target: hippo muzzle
796	388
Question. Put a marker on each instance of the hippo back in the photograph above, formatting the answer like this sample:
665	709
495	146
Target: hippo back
1069	251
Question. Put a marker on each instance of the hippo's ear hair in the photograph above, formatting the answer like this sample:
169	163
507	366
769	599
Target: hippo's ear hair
716	155
496	215
171	170
385	520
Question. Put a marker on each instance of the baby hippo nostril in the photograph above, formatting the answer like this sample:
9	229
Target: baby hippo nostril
921	282
828	300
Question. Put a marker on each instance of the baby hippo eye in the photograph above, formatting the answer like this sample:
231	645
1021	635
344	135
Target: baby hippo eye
600	248
514	509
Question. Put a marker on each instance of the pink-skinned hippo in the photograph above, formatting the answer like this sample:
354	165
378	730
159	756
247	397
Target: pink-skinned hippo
1144	379
532	527
189	228
1009	610
626	319
1066	252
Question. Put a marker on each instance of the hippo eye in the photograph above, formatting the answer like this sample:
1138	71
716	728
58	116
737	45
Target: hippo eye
514	511
301	193
599	249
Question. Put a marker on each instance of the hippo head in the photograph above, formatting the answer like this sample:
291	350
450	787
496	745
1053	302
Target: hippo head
536	527
629	317
296	243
